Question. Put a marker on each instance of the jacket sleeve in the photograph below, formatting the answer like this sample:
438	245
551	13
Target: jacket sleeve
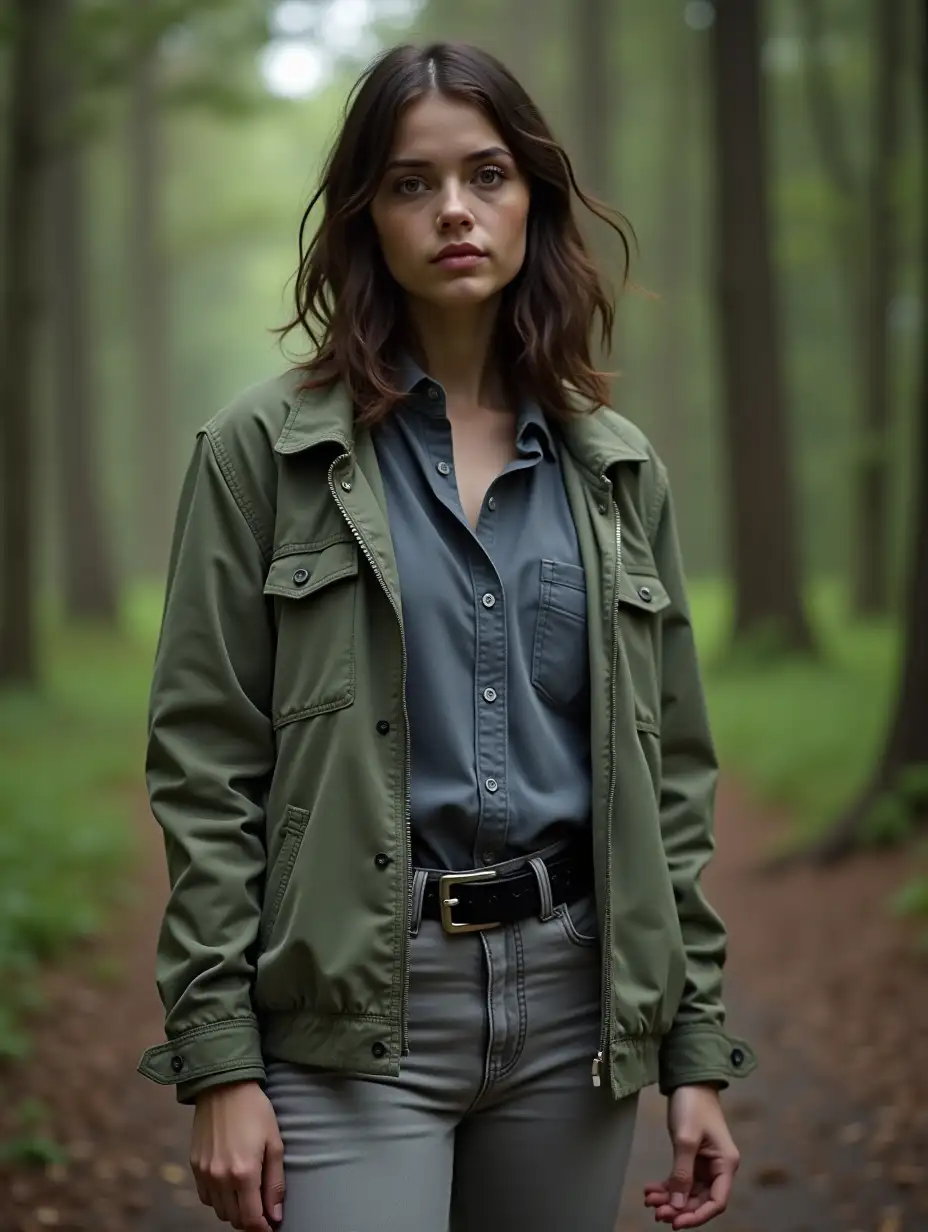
697	1049
209	760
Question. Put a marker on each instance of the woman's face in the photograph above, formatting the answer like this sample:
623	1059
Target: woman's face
452	208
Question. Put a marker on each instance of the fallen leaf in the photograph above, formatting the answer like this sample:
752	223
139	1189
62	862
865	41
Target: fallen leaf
770	1176
891	1220
906	1175
174	1174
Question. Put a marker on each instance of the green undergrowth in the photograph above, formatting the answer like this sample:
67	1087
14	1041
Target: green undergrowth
70	771
802	733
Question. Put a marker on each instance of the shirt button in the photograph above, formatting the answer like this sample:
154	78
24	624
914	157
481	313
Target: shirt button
488	600
177	1064
383	727
644	594
443	468
489	695
491	503
381	859
301	577
603	507
488	857
346	486
379	1050
492	785
433	393
737	1057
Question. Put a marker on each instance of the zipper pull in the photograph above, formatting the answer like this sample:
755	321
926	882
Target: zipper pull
597	1069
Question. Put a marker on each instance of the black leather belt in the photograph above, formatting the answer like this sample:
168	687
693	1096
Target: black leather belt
473	901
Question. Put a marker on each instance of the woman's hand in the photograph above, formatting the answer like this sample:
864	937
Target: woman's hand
237	1156
705	1160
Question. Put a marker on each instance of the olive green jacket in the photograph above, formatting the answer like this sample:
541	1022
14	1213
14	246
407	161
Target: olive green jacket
278	760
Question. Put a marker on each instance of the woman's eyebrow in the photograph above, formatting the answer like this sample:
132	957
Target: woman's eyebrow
493	151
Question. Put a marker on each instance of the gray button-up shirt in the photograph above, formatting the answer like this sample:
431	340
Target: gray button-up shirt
497	686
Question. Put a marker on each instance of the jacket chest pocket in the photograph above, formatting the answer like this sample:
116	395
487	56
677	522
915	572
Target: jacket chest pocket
314	595
642	599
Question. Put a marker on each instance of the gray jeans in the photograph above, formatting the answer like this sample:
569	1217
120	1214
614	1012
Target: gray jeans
493	1123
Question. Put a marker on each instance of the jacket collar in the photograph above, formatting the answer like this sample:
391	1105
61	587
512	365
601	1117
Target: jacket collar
325	416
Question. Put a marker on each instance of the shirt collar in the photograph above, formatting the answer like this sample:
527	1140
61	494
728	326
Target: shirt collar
530	423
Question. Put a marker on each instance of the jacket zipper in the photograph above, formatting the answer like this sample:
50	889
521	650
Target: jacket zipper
606	1009
407	898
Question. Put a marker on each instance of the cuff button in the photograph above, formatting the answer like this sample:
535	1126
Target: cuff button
737	1057
177	1064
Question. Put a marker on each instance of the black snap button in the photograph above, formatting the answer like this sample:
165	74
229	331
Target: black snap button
301	577
383	726
177	1064
737	1057
434	393
379	1050
644	593
381	859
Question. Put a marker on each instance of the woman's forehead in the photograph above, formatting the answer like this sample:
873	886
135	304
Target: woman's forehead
439	129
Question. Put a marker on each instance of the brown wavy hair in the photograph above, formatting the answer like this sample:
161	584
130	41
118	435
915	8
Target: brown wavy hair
346	299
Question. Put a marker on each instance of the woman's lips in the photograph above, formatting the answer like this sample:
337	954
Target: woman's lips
460	260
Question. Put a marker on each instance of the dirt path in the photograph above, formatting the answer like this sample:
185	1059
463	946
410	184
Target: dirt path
833	1127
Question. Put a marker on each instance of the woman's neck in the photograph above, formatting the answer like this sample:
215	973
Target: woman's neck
456	349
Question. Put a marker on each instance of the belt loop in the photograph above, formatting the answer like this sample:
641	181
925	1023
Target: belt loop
544	887
419	879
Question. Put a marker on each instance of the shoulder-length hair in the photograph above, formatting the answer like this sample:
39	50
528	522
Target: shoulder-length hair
346	298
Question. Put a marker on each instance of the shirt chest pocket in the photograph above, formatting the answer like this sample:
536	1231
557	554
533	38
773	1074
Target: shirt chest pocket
560	652
314	595
642	599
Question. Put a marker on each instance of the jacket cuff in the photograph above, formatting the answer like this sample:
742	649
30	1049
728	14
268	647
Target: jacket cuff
696	1053
227	1051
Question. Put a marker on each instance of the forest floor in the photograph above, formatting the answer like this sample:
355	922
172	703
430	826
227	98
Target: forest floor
829	987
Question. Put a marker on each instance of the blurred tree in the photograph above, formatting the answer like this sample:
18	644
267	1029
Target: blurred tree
148	296
768	605
866	223
88	579
26	148
595	106
673	428
900	781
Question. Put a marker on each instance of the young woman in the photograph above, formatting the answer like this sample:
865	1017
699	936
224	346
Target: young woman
428	742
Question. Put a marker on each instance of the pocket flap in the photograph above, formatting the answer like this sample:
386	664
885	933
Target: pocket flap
303	573
643	591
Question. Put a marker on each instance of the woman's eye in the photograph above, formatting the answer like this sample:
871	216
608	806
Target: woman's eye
409	185
487	177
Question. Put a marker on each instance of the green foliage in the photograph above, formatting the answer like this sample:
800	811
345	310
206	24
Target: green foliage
70	773
802	733
912	898
31	1146
887	822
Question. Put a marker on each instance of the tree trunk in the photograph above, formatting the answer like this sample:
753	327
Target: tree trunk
595	105
89	585
18	402
768	601
907	738
674	433
149	296
872	554
865	229
525	25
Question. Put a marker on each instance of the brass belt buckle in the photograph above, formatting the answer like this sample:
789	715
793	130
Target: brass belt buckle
447	900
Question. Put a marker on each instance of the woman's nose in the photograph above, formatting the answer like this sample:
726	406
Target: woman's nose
454	211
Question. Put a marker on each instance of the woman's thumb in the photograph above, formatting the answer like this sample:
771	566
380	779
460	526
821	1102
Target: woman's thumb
272	1181
680	1182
